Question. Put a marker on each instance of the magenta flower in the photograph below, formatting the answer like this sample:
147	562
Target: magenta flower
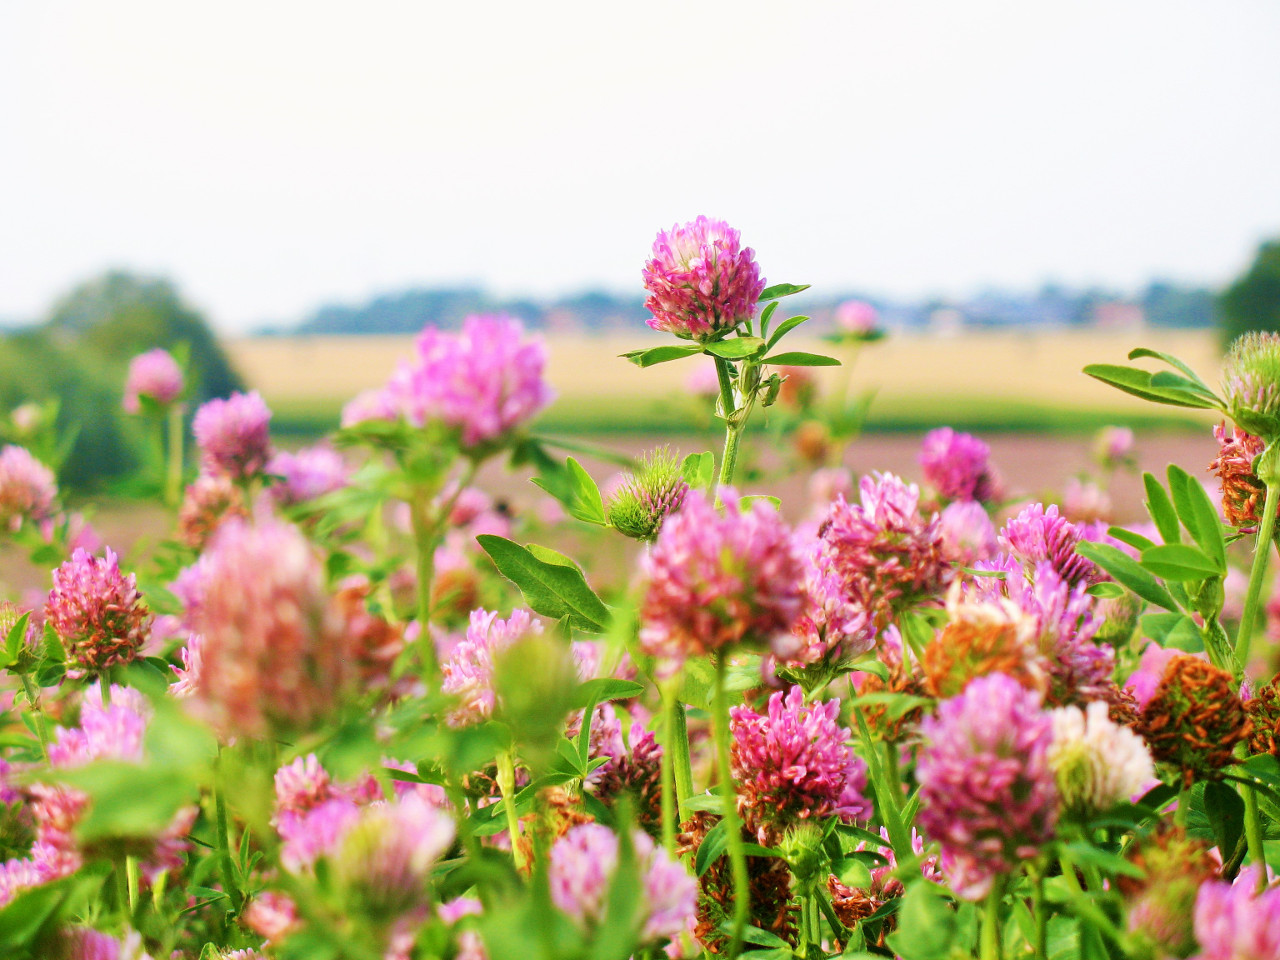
716	580
857	317
97	612
1040	533
154	374
233	435
27	488
1233	924
277	654
986	788
468	670
81	943
887	554
701	280
794	763
957	466
307	474
583	862
485	382
830	627
968	535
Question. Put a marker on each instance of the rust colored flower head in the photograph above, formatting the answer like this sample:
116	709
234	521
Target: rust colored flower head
1194	719
1263	709
97	611
982	639
210	500
1242	491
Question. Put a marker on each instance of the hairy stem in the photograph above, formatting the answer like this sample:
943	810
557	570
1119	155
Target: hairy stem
507	788
1261	551
33	698
732	823
733	424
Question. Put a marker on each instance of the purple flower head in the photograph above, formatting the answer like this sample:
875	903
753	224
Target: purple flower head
369	405
986	788
794	763
307	474
968	535
857	317
27	488
234	435
1232	923
1040	533
97	611
957	465
485	381
154	374
82	943
468	671
701	280
888	556
277	654
830	625
107	730
718	579
188	674
583	862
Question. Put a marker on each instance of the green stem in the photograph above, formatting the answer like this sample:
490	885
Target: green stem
732	823
1041	925
990	945
122	889
226	866
507	788
734	421
131	875
1254	836
1261	551
668	775
173	476
1184	806
428	529
33	698
682	766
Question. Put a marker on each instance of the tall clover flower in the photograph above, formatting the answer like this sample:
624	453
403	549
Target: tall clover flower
97	611
957	465
701	280
719	579
154	375
830	627
888	555
1251	383
794	763
1242	492
469	670
986	788
27	488
234	435
277	654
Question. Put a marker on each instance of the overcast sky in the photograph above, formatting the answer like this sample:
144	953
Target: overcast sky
272	155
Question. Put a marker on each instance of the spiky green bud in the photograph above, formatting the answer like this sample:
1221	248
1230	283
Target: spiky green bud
646	497
1251	384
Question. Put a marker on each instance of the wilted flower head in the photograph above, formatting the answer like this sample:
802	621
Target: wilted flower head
983	637
701	280
794	763
27	488
1041	533
234	435
154	374
277	653
210	500
307	474
968	535
484	381
887	554
718	579
648	496
1096	762
1242	491
1161	902
583	862
1251	383
986	789
468	671
97	611
958	466
1234	923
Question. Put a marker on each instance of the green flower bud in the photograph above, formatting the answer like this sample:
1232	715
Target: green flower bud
656	489
1251	384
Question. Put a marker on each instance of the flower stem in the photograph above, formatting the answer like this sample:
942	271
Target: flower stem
990	945
668	775
507	788
1041	924
226	866
733	424
682	767
1261	551
1255	837
732	823
33	698
173	475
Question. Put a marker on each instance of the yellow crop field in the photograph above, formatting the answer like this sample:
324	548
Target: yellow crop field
1039	367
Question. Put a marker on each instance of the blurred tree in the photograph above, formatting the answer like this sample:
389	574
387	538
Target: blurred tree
1252	302
119	315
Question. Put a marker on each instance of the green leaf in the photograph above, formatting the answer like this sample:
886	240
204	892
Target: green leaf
1106	590
785	327
1225	810
128	800
1179	561
852	872
926	924
586	503
736	348
1170	359
711	848
1175	630
1161	509
1165	379
26	917
605	689
1126	570
800	359
1087	854
1138	383
550	589
656	355
765	316
548	555
17	637
1198	515
699	470
780	290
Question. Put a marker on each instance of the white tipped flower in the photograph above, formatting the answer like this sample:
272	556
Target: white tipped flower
1096	762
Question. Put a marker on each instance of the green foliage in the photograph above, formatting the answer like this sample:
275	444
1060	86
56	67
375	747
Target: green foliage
1252	302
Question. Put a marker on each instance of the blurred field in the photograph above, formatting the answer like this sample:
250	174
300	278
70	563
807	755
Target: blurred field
979	380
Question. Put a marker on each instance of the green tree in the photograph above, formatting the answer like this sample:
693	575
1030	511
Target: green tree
1252	302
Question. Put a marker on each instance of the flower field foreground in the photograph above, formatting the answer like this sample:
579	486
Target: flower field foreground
351	708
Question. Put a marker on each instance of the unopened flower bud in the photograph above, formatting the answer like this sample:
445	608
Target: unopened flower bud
647	497
1251	383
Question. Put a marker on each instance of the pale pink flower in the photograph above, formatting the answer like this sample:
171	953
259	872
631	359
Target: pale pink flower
154	374
957	465
307	474
1234	923
27	488
234	435
468	670
857	316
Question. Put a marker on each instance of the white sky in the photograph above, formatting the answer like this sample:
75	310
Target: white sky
271	155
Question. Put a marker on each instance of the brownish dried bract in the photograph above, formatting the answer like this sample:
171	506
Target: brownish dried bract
558	813
853	905
1242	491
1194	719
966	649
637	774
1264	713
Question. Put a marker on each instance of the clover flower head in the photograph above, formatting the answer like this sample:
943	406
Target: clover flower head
830	625
1096	762
968	535
1251	383
469	669
1242	491
648	496
701	280
957	465
27	488
233	435
154	374
97	611
307	474
1041	533
1234	923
